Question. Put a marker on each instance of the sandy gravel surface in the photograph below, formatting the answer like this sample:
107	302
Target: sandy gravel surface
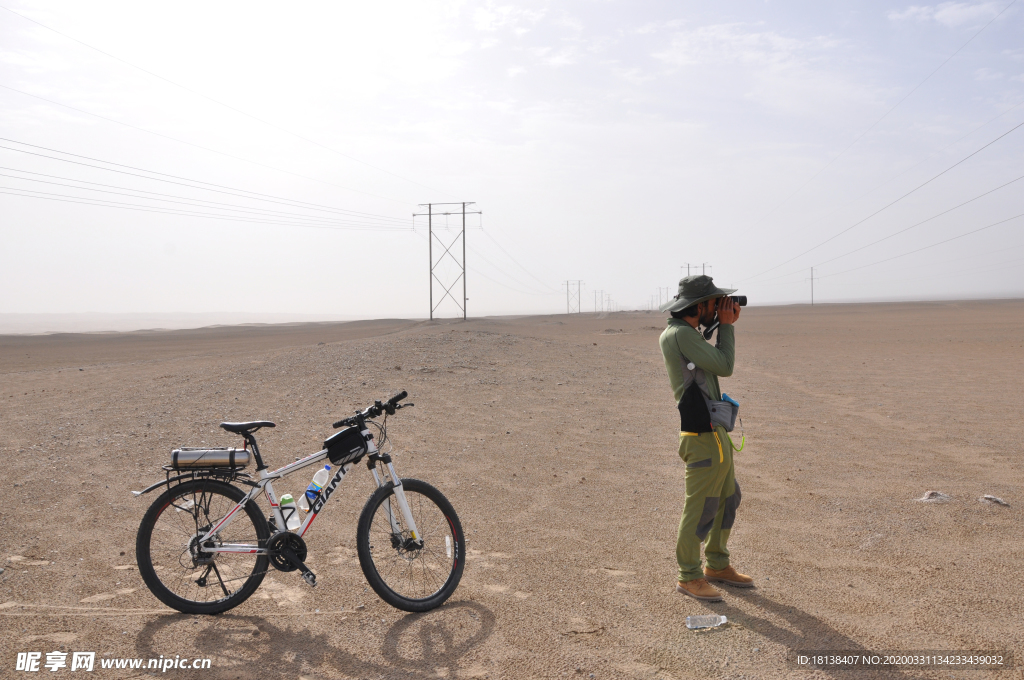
555	439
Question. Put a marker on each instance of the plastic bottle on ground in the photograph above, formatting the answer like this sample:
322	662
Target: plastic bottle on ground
313	490
291	513
705	621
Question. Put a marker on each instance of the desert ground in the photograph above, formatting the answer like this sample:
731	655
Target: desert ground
555	438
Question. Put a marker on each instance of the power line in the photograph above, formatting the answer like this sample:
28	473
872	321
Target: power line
888	205
505	273
220	103
843	207
913	226
65	198
504	285
905	229
960	259
219	188
514	260
917	250
885	115
185	200
204	148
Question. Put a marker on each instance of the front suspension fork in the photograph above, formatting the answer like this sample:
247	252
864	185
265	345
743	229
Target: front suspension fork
403	504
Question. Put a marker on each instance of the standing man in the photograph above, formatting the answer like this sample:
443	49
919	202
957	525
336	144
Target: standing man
712	494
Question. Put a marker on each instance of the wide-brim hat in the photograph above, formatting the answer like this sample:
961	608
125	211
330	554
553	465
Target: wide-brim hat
695	289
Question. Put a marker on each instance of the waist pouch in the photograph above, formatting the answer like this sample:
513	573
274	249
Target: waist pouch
724	413
697	411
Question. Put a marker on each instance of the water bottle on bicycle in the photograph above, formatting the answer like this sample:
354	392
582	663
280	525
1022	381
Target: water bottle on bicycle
313	490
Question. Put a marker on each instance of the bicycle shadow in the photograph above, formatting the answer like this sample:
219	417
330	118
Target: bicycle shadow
431	644
810	633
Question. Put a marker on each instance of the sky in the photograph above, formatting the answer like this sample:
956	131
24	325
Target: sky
259	160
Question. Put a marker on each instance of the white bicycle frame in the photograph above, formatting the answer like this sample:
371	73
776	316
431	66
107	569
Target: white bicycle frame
266	486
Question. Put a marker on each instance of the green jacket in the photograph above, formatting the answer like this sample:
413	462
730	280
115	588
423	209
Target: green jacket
681	339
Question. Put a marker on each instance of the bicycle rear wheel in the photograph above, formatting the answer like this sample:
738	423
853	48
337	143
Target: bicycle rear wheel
177	572
408	576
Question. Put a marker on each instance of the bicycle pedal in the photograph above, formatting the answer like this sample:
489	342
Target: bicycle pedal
310	578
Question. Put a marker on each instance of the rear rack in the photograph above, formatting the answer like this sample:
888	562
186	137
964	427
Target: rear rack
182	476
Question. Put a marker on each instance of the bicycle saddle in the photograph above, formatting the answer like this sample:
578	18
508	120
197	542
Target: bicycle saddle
246	428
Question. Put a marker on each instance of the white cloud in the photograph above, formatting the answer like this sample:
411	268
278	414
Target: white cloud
912	13
776	71
551	57
494	18
951	14
634	76
732	43
987	74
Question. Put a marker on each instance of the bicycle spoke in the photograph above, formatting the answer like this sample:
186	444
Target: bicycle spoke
185	569
415	573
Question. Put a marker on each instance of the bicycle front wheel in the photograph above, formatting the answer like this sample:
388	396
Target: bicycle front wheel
178	571
411	575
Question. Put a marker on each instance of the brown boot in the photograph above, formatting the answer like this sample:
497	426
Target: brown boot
729	576
699	589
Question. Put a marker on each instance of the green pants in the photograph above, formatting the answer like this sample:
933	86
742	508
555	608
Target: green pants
712	496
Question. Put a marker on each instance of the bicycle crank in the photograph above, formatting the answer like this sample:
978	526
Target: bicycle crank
287	552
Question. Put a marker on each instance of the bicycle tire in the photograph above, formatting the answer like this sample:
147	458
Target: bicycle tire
417	579
205	501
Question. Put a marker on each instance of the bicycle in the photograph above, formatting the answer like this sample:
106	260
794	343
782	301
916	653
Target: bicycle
204	545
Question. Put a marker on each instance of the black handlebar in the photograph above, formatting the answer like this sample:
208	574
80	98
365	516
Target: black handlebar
378	407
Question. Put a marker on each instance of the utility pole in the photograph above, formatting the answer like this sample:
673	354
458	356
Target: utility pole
667	296
569	299
812	286
446	251
704	267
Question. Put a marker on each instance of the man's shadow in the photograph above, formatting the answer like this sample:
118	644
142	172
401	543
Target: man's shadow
810	634
431	644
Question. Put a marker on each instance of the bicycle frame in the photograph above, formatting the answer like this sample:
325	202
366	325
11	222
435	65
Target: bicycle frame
265	485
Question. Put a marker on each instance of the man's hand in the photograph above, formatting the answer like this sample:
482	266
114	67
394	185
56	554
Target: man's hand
728	311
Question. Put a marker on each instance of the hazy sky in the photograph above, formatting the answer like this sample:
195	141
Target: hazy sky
610	142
